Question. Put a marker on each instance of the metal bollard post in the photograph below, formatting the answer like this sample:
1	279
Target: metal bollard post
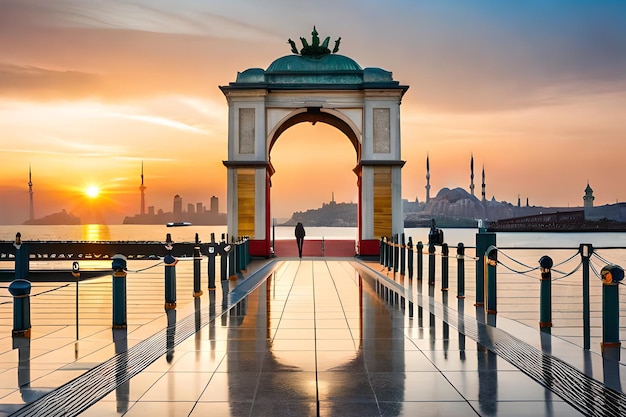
420	260
240	256
232	260
460	271
402	256
212	249
491	257
483	241
410	257
248	258
20	290
445	251
431	264
22	258
170	282
389	254
197	265
611	345
586	250
118	264
386	252
396	258
381	251
545	294
224	248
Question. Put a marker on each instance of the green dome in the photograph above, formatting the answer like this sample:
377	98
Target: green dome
298	63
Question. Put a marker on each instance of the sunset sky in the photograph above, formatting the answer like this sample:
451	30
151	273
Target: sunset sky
89	89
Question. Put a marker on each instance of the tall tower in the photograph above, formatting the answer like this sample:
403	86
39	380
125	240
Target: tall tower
588	198
484	198
31	215
472	175
142	188
427	179
178	208
215	205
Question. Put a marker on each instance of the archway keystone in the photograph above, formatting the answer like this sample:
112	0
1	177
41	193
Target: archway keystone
314	85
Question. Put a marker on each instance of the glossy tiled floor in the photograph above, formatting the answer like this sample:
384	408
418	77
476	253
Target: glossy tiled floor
316	339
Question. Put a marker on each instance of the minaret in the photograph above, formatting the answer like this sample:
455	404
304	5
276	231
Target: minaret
427	179
31	215
472	176
483	186
588	198
142	188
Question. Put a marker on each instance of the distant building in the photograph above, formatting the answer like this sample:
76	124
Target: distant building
588	197
142	189
31	215
215	205
178	208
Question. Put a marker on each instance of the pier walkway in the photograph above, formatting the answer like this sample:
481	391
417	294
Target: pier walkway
310	337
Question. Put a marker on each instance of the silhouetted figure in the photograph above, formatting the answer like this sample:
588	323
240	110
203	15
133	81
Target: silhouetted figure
300	237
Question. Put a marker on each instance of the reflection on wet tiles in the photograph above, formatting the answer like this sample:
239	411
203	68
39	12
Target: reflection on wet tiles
294	324
292	344
426	409
222	409
236	386
178	386
497	385
345	386
527	409
334	334
284	408
106	409
296	386
294	333
160	408
197	361
456	360
329	344
413	386
242	361
134	389
339	360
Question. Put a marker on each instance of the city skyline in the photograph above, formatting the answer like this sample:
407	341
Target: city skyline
199	207
533	91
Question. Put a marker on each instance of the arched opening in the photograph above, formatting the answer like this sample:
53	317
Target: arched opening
313	168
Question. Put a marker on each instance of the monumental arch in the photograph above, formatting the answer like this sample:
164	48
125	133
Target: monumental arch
314	84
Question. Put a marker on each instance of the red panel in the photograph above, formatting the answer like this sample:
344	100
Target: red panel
260	248
369	247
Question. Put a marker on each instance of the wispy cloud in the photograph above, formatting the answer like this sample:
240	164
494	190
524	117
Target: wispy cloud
161	121
31	81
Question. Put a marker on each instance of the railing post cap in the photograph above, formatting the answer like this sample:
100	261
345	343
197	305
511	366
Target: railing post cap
118	262
546	262
612	274
19	287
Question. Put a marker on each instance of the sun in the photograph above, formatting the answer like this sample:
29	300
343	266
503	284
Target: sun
93	191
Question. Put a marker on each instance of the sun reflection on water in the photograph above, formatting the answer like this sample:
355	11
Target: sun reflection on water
95	232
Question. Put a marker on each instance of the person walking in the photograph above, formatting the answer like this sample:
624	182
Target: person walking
300	233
